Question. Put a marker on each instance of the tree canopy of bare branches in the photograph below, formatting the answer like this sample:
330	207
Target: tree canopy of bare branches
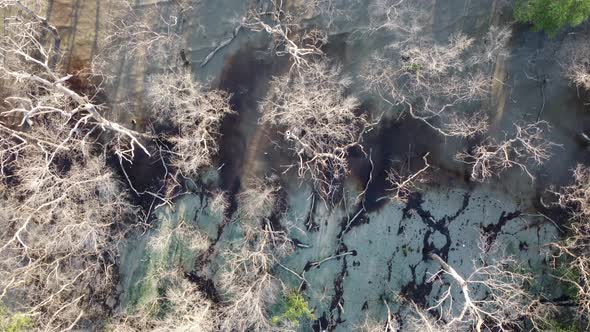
577	61
188	309
246	279
289	36
196	112
39	91
527	145
573	252
140	32
404	182
61	226
258	200
493	296
64	211
318	120
433	81
248	285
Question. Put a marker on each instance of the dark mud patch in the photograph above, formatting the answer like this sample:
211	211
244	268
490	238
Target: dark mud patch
320	324
83	82
278	212
310	223
242	73
400	145
245	76
337	46
417	290
145	174
337	303
206	286
237	79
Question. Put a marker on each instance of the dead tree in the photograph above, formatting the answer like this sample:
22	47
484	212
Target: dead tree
246	279
404	182
219	203
331	12
64	211
577	61
391	323
195	111
433	82
289	36
188	309
59	238
191	311
257	200
247	282
526	146
181	233
573	252
26	61
319	122
141	32
493	296
505	300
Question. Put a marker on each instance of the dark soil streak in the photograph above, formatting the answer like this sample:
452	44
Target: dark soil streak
145	173
237	78
206	286
310	223
415	290
389	269
244	76
279	210
491	231
394	143
418	291
338	298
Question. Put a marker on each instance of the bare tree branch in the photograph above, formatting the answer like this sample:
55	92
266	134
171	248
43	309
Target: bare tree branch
197	113
319	121
493	296
286	30
404	184
527	145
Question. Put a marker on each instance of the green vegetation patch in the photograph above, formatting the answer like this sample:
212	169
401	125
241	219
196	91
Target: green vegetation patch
14	322
293	308
552	15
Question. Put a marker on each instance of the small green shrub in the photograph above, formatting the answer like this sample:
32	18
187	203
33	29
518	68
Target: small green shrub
414	67
406	250
14	322
552	15
294	309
